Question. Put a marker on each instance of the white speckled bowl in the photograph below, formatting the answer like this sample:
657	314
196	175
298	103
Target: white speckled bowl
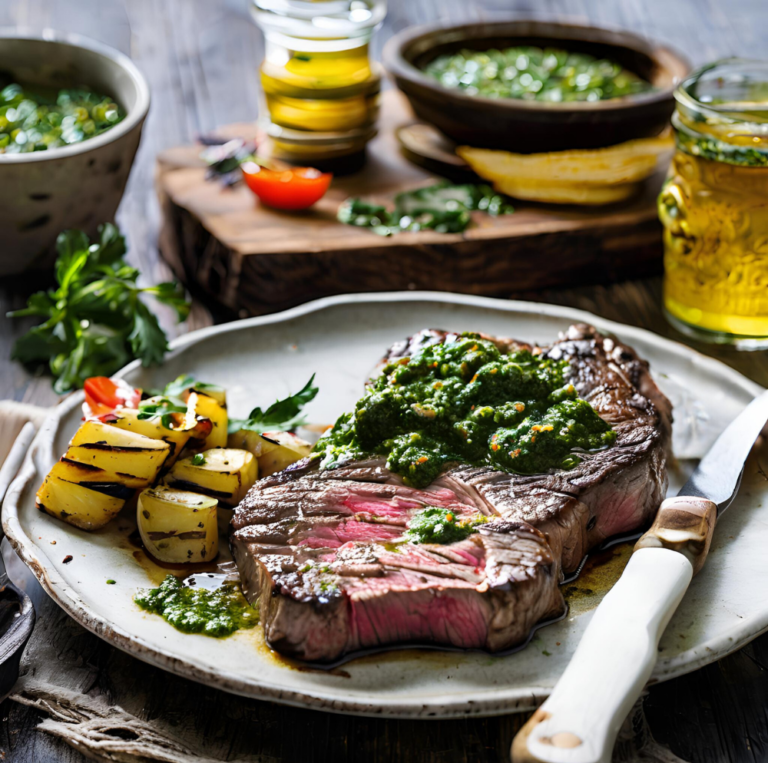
77	186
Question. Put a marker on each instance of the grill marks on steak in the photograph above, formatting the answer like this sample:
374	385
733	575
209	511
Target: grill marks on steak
317	547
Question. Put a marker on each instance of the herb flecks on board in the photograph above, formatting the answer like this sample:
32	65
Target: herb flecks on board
442	207
95	321
464	401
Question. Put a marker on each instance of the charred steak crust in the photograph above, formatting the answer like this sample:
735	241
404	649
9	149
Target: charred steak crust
316	547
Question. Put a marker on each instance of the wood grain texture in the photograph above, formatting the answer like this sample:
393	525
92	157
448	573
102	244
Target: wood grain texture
254	260
200	58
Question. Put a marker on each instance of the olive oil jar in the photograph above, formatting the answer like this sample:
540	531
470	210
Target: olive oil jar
714	206
321	90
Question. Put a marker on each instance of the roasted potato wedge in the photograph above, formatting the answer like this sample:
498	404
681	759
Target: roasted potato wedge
208	409
223	473
128	419
118	451
287	450
177	526
81	505
253	442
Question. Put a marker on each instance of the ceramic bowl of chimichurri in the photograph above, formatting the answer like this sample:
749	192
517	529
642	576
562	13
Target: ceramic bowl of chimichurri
71	115
535	86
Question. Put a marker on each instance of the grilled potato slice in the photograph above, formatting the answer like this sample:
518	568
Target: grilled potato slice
118	451
81	505
253	442
287	450
128	419
208	408
223	473
177	526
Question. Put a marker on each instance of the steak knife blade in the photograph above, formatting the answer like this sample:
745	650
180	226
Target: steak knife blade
718	475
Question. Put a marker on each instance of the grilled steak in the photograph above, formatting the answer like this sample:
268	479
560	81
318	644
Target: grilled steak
316	547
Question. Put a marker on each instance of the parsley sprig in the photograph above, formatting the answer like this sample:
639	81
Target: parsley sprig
95	321
162	407
282	416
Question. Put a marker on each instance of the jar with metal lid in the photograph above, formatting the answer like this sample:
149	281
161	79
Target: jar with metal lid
714	206
321	90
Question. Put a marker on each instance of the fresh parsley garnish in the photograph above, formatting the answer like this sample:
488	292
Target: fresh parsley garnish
162	407
94	321
181	384
198	459
281	416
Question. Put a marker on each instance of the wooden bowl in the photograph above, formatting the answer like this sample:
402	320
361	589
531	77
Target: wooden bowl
535	126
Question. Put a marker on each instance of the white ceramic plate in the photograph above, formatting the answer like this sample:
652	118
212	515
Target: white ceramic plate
341	339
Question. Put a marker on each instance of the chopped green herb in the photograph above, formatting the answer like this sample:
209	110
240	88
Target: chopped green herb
95	321
217	613
464	401
436	525
281	416
198	459
442	207
40	119
110	582
535	74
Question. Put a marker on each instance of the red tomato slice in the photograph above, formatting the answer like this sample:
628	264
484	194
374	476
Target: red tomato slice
103	396
292	189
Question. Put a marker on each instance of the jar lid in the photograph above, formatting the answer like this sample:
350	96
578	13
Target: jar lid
722	112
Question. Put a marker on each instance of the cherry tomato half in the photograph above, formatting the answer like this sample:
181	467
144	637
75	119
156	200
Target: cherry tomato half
292	189
103	396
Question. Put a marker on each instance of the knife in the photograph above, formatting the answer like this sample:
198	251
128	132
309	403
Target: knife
580	720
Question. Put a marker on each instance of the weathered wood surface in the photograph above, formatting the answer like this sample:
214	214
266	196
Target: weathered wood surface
255	260
201	58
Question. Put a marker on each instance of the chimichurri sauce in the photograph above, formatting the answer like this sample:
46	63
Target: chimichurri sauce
465	401
217	613
531	73
38	119
436	525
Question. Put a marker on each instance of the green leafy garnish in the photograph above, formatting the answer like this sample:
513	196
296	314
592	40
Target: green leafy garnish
95	321
162	407
198	459
281	416
442	207
180	385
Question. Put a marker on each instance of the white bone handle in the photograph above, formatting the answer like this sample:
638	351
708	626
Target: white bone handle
580	720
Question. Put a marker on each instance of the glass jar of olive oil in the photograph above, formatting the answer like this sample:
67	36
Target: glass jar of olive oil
321	90
714	206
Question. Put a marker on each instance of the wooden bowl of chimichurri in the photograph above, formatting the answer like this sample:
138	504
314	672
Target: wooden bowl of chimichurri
535	86
71	115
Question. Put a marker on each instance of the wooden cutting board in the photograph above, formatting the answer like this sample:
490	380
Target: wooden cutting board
253	260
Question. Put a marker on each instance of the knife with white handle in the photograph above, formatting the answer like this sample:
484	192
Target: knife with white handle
580	720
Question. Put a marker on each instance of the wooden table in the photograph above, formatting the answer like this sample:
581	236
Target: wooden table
201	58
